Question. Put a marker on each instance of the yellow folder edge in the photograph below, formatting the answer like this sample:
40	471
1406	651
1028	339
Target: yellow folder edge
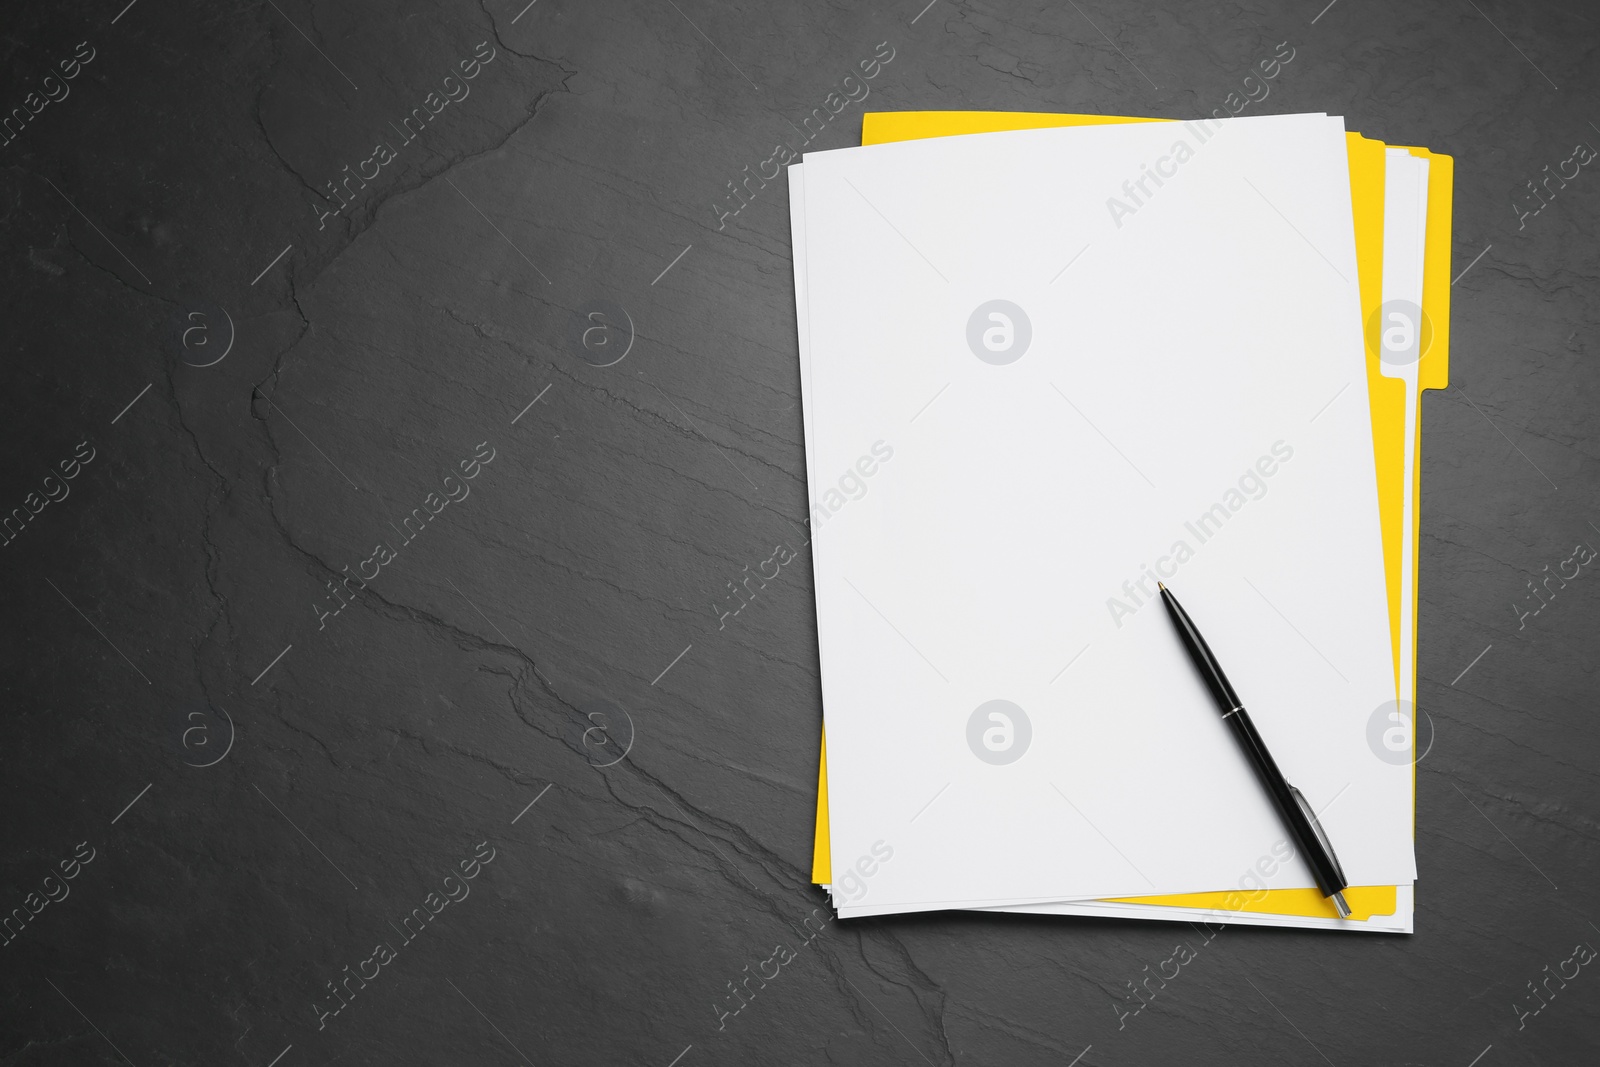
1386	396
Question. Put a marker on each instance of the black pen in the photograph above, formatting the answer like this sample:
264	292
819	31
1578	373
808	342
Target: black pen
1292	807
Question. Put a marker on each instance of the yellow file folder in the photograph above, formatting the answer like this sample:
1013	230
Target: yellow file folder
1388	400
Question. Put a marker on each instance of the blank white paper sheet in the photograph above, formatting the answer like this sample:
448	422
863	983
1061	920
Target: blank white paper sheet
1100	356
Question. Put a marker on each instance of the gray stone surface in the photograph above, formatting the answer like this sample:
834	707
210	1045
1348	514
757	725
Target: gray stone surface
561	614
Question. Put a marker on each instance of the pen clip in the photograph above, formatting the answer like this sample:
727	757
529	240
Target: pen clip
1316	828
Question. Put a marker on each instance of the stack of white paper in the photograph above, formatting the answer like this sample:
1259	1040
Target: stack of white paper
1042	370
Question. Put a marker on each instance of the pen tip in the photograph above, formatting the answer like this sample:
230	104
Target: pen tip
1161	587
1340	905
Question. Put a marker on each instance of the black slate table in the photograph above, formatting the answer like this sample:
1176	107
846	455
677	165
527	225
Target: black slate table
394	390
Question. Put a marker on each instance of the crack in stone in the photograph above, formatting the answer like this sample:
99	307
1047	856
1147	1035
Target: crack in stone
359	223
217	496
687	434
120	280
494	28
